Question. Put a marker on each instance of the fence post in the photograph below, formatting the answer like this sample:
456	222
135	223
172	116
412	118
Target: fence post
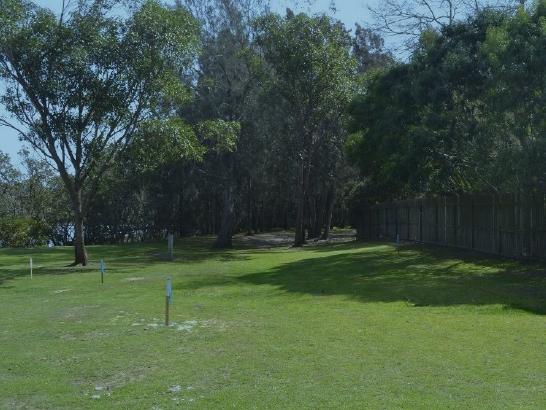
369	228
499	229
437	230
529	204
445	219
472	221
377	223
386	222
409	223
531	228
396	220
420	220
456	220
494	227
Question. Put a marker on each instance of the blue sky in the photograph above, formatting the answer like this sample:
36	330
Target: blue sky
348	11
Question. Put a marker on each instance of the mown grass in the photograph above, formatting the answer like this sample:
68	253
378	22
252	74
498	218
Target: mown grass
341	326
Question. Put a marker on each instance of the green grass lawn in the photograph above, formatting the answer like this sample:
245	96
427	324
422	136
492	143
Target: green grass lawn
341	326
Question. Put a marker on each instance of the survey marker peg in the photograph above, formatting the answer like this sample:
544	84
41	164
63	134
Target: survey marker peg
102	268
168	298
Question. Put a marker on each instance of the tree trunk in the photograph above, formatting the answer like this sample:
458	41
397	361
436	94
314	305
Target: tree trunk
299	239
321	205
224	238
262	217
80	254
329	212
313	218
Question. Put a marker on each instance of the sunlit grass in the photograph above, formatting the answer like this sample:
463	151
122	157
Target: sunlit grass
342	326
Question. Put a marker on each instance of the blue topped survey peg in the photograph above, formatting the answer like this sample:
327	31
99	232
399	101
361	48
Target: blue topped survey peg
169	290
398	242
168	298
102	268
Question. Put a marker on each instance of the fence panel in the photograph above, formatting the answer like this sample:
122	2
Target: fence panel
504	224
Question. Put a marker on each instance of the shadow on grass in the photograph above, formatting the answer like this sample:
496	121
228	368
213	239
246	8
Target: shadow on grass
15	263
421	276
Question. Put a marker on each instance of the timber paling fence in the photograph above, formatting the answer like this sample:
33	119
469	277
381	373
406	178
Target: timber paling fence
510	225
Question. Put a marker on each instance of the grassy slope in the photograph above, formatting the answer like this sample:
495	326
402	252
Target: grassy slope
345	326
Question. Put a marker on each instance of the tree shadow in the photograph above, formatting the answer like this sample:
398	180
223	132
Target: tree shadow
10	273
420	276
206	281
15	262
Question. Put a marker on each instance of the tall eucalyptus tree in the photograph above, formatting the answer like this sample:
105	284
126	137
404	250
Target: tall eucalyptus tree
312	71
78	85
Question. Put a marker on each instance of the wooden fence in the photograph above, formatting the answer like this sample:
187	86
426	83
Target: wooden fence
507	224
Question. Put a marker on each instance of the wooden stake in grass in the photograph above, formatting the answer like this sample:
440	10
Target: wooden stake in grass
102	268
168	298
30	268
398	243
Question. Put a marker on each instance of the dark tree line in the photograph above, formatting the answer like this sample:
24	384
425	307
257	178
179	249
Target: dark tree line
220	117
464	114
210	117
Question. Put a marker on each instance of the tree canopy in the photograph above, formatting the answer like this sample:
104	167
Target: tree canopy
80	85
465	114
221	117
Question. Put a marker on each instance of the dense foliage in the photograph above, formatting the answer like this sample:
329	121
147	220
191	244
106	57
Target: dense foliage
33	204
80	86
466	113
218	116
